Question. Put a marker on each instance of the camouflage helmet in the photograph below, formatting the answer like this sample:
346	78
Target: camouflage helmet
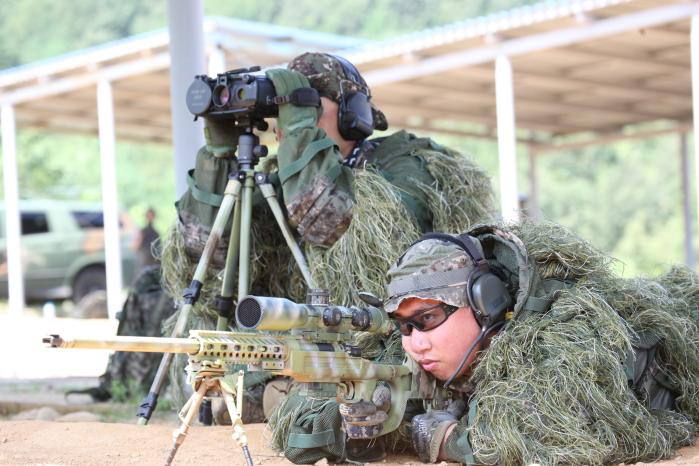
430	269
327	75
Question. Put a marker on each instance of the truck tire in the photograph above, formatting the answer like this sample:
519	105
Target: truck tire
92	306
89	279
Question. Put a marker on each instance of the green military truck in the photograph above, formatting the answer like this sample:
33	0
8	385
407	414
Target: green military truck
63	249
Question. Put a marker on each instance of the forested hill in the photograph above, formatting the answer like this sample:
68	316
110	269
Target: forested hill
625	197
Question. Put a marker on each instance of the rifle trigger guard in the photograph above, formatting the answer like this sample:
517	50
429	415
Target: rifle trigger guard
345	390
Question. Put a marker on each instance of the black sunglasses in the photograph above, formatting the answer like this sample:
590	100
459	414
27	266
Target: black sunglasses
425	320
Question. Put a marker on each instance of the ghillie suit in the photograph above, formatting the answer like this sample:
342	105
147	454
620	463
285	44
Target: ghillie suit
591	369
406	186
146	307
607	371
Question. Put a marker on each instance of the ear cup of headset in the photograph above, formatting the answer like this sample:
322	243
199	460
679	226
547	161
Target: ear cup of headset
355	120
488	298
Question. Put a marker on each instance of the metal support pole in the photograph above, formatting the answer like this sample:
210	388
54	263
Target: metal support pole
689	255
507	143
533	206
694	39
110	205
186	27
12	217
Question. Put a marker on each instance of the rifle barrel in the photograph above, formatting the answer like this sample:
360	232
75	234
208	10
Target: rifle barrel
125	343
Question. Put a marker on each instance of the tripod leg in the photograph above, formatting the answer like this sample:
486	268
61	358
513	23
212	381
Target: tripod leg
231	195
245	226
271	196
231	265
180	433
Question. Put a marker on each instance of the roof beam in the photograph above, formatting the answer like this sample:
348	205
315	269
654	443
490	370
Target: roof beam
603	139
519	46
406	110
586	83
134	132
553	102
427	128
547	78
667	33
86	59
110	73
600	56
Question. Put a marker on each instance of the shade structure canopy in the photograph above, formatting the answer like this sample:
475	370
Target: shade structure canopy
580	67
568	73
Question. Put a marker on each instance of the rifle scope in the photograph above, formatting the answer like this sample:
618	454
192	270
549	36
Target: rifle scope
264	313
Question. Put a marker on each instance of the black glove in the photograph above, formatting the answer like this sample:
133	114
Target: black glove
430	429
364	419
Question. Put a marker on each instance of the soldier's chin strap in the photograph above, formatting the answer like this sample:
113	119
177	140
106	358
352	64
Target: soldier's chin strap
484	332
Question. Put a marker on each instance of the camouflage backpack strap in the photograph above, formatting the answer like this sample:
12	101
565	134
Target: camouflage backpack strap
441	187
547	292
397	159
310	151
200	195
206	182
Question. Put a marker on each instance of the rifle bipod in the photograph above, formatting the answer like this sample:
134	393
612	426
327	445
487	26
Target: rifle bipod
237	201
208	383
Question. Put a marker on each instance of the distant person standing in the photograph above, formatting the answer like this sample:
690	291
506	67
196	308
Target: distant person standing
144	242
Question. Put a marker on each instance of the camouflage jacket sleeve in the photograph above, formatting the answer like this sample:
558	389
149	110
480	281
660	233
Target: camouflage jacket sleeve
458	445
317	188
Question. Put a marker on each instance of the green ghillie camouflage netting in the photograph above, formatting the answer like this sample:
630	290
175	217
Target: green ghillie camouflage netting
381	229
553	389
683	283
461	195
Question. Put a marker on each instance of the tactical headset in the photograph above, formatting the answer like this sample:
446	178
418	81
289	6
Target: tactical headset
355	118
487	295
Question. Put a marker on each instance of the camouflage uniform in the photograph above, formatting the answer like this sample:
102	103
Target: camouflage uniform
591	368
318	194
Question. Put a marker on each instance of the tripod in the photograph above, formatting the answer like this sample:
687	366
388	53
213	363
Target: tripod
237	201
